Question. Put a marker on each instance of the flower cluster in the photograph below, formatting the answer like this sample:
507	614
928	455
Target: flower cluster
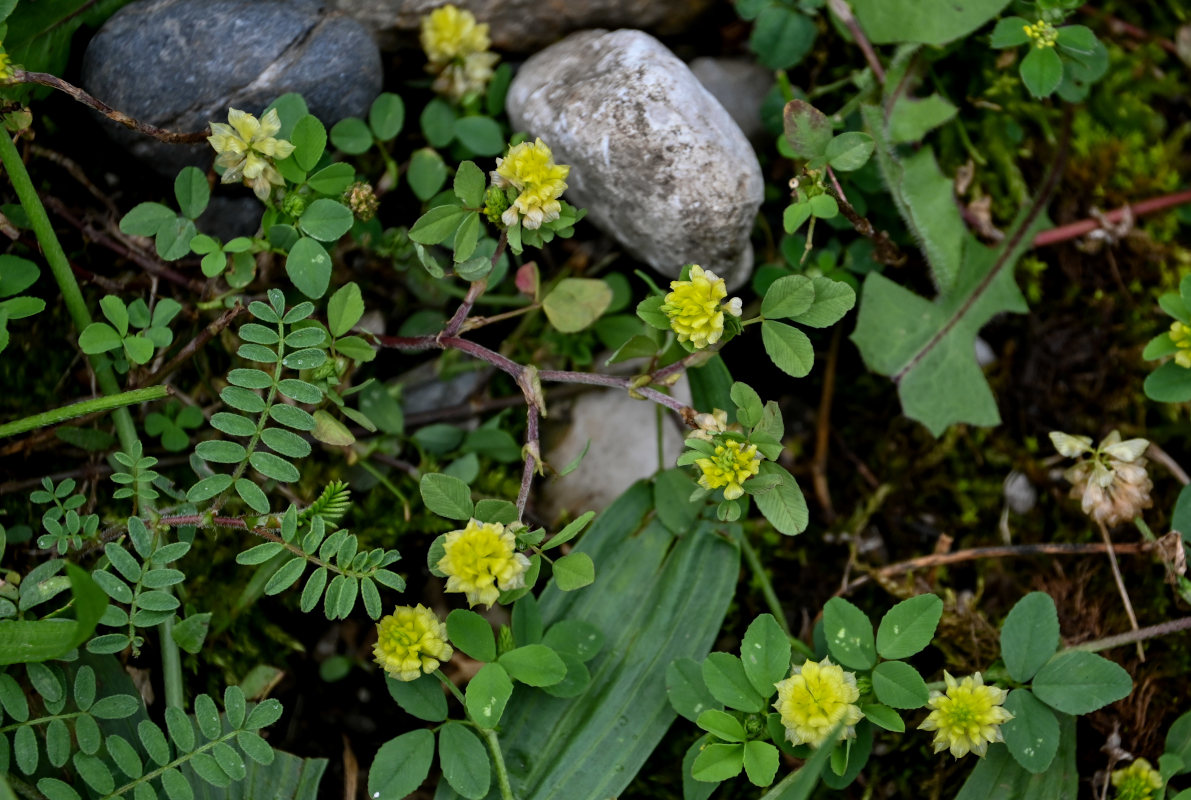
1112	485
482	561
967	717
1138	781
247	147
7	68
1042	33
696	307
1180	334
529	169
410	641
456	47
732	464
816	697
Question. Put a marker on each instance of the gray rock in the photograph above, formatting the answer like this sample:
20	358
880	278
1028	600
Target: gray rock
527	25
180	64
740	85
655	159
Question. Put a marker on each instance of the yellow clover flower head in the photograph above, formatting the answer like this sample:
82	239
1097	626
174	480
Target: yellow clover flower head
1138	781
696	307
1042	33
1180	334
7	68
482	561
816	697
967	717
457	50
732	464
247	147
411	641
451	32
529	168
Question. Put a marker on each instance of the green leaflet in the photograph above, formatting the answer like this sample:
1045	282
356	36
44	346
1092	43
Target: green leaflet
926	347
926	21
655	599
40	640
998	777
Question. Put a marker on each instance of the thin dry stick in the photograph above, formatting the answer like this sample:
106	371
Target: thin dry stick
1006	551
1159	455
187	352
1139	635
823	431
1116	574
54	82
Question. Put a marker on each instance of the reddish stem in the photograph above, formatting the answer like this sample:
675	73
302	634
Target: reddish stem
1076	229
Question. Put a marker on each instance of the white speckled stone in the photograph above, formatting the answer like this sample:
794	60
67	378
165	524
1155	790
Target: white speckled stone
624	449
655	159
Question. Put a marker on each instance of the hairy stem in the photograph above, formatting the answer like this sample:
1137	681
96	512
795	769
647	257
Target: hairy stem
82	408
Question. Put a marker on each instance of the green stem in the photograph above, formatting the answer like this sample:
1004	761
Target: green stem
82	408
60	267
498	760
76	307
388	484
489	735
775	606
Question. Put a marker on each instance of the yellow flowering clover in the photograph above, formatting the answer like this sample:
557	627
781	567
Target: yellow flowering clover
696	307
482	561
529	169
247	147
1042	33
732	465
816	697
411	641
1180	334
967	717
456	48
7	68
1138	781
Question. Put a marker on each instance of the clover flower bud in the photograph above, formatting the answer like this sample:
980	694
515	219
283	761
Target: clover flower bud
530	169
1042	33
816	697
247	147
1180	334
732	464
967	717
696	307
496	202
294	204
482	561
411	641
1138	781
